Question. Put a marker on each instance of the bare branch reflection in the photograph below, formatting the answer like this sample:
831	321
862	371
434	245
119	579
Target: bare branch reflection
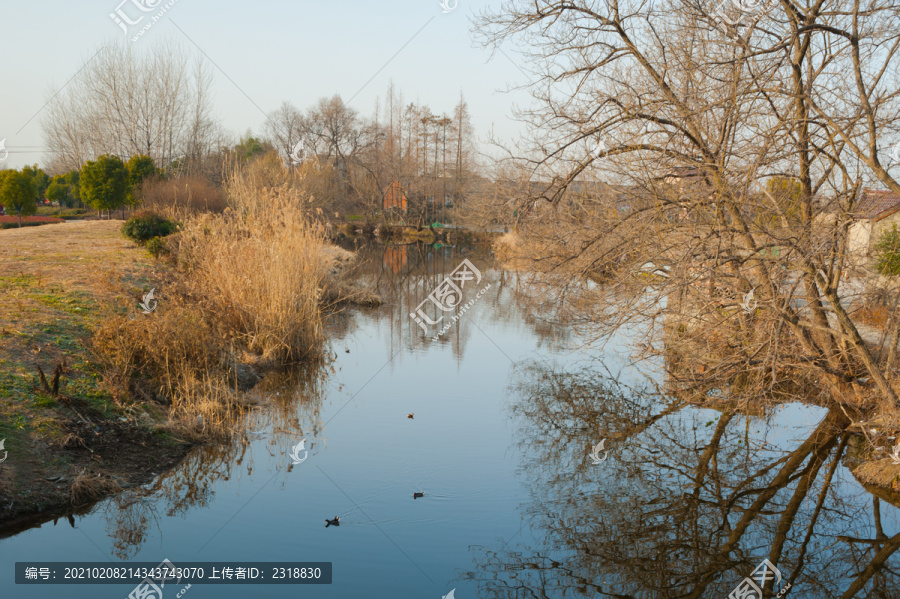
290	405
690	501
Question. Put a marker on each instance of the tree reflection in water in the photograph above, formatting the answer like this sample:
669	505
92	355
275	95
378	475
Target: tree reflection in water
289	408
403	276
689	502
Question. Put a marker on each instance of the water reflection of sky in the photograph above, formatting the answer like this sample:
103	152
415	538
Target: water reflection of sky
506	406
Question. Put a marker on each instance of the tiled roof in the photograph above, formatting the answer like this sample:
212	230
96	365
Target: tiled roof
682	172
877	204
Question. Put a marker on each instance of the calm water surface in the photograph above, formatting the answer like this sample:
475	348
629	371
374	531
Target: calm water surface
506	408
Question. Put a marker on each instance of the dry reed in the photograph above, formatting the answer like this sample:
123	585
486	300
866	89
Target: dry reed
88	487
251	281
262	267
172	357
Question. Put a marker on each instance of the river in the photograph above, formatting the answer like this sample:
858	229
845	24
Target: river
506	405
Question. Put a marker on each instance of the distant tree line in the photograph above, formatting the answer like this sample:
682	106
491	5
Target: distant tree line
107	184
406	159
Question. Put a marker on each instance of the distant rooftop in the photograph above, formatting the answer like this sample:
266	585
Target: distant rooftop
682	172
877	204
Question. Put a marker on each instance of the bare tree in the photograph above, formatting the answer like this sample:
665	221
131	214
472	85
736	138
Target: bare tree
686	115
125	102
285	128
463	148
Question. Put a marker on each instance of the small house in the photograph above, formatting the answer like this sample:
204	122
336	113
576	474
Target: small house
877	211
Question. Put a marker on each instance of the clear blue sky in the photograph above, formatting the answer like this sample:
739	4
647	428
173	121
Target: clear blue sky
273	51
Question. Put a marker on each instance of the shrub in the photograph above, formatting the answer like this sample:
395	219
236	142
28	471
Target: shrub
182	195
144	226
887	252
157	246
9	222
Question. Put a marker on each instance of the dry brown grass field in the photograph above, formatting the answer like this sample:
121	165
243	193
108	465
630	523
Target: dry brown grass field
57	284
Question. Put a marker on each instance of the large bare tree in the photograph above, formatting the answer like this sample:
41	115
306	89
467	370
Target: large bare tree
687	110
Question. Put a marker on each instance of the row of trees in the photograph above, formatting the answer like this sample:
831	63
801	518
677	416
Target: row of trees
104	184
157	103
127	102
403	150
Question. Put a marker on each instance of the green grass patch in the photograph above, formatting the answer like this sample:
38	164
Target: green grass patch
66	213
65	325
14	386
22	281
44	401
74	303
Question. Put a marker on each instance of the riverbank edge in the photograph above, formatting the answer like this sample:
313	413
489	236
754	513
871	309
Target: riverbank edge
98	447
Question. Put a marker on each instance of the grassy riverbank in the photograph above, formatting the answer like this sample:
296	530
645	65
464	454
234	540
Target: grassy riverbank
126	393
58	283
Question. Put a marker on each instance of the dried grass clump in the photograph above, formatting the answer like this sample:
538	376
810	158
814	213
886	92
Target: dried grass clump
261	266
182	196
252	283
88	487
157	347
173	356
208	405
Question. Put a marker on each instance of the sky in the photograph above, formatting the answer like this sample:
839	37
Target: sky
262	54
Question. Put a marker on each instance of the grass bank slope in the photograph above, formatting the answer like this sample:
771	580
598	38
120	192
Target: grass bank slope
57	284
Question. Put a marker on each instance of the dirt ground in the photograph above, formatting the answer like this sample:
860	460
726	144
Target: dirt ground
71	447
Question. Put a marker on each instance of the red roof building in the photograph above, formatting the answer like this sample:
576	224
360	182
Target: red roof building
877	204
